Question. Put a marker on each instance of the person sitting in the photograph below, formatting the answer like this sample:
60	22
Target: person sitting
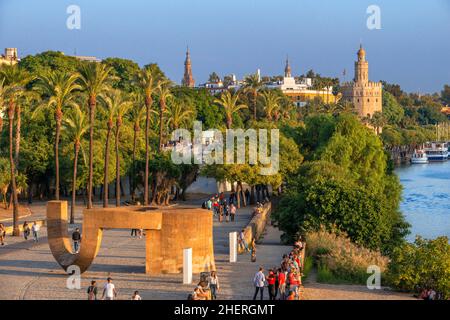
291	295
196	295
202	294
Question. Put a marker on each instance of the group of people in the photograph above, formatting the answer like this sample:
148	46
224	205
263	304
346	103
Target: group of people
207	288
109	291
26	229
284	282
222	209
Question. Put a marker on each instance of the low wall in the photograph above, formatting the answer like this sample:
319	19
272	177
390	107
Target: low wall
256	226
9	230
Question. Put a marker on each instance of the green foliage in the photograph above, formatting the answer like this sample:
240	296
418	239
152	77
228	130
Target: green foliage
392	110
49	61
347	188
424	264
123	71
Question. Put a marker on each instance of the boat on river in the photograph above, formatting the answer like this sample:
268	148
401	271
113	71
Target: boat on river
436	151
419	157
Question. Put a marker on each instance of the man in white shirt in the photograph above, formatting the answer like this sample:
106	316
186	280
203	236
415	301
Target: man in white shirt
259	281
35	229
109	291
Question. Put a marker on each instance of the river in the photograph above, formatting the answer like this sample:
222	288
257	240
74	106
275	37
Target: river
426	198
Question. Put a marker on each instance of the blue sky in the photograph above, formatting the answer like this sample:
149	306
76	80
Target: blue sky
239	36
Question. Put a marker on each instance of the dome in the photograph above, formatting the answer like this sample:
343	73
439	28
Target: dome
361	52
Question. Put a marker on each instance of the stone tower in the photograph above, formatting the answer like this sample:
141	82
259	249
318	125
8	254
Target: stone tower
365	95
188	79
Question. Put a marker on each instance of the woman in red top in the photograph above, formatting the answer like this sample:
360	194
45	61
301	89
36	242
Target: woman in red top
294	282
271	278
282	284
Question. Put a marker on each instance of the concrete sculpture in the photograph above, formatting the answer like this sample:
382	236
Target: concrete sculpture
168	232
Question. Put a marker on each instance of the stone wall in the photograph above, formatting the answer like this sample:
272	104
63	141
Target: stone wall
256	226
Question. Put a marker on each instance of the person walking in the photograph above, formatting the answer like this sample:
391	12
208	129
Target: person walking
213	285
136	296
247	196
92	291
282	284
26	230
271	279
253	250
76	238
134	232
209	204
242	243
258	281
232	212
35	230
109	290
2	234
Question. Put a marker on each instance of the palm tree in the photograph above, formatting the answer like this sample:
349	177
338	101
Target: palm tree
15	79
76	126
253	84
164	93
94	80
112	101
123	105
178	114
58	88
137	116
272	105
230	104
378	121
147	80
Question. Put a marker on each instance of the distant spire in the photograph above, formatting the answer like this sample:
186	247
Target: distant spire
188	79
287	69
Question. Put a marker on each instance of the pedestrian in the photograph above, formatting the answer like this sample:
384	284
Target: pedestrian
35	229
253	250
282	283
134	232
92	291
226	211
232	212
76	238
209	204
258	281
247	195
242	243
231	197
26	230
136	296
213	285
109	290
2	234
271	279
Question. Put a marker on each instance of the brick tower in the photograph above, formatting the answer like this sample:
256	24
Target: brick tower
188	79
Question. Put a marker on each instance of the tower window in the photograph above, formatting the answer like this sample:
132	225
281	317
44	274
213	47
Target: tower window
368	100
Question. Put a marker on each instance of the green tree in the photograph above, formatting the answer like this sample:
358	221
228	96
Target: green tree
272	105
76	126
57	88
392	110
164	93
253	85
229	102
94	78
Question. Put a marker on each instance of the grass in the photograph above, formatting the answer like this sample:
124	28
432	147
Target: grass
307	267
338	260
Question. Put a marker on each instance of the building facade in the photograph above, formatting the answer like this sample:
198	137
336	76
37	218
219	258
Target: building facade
301	91
188	79
365	95
10	57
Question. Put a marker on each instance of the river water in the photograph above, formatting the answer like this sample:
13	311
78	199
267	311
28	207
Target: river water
426	198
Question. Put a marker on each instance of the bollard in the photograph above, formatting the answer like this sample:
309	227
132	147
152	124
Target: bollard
187	266
233	247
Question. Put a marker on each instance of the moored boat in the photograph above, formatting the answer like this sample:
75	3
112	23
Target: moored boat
436	151
419	157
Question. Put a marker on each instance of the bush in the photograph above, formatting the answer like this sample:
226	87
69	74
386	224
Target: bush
424	264
339	260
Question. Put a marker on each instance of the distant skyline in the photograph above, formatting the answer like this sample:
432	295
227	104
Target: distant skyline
240	36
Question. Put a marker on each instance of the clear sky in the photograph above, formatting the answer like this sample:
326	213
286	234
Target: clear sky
238	36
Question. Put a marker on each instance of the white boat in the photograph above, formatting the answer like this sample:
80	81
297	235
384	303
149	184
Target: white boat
419	156
436	151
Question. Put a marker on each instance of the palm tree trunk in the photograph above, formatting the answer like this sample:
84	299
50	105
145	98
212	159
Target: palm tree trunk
161	119
148	103
18	128
106	167
16	231
74	182
133	179
117	164
92	104
255	102
58	118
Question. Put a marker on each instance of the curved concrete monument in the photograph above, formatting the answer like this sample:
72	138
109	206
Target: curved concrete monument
168	232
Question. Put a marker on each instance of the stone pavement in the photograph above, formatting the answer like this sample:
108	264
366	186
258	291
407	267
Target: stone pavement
29	271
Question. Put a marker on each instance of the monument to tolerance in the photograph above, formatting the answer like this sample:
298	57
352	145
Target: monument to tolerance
168	232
